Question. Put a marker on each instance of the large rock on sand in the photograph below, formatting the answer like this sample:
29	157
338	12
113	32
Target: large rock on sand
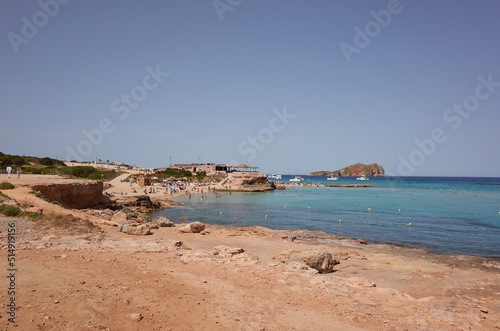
162	221
140	230
320	260
194	227
119	217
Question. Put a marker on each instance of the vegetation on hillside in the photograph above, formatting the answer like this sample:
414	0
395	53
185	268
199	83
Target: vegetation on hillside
6	186
172	172
9	210
179	173
17	160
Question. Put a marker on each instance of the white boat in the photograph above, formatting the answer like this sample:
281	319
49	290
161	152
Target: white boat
363	177
332	178
273	176
297	179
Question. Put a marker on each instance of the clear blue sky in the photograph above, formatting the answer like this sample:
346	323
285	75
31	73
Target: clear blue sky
352	99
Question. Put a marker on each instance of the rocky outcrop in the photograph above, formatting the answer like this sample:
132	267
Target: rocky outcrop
246	182
320	260
74	195
162	222
227	251
194	227
140	230
140	201
358	169
119	217
349	185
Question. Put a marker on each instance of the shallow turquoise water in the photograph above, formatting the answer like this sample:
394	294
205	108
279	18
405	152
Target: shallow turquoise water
465	222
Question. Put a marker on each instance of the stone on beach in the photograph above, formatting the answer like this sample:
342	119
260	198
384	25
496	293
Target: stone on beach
140	230
226	250
136	316
162	221
119	217
320	260
194	227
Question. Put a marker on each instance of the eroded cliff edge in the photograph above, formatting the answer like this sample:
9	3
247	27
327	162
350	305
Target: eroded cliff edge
74	195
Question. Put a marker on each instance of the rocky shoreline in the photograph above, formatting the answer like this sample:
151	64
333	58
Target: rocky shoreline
126	271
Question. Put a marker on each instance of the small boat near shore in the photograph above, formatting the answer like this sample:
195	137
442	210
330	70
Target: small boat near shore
332	178
297	179
363	177
274	176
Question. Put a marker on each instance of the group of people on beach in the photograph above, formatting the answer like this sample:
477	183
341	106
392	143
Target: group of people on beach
18	171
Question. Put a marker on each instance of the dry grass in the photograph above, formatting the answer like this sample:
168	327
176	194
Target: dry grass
65	223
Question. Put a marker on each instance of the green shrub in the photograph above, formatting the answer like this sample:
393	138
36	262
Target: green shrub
54	202
79	171
17	160
38	194
10	210
38	171
107	175
6	186
201	174
171	172
33	215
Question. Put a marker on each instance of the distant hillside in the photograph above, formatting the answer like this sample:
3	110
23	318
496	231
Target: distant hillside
358	169
17	160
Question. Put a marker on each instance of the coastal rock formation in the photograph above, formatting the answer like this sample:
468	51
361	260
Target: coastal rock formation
74	195
140	230
227	251
246	182
194	227
320	260
349	185
143	201
163	222
358	169
119	217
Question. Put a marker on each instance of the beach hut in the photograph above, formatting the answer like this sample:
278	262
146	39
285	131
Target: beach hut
144	181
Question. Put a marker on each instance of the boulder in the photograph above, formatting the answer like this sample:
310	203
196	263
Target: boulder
320	260
123	226
194	227
163	222
152	225
140	230
285	256
136	316
119	217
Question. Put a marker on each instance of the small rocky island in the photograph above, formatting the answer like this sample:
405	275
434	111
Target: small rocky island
358	169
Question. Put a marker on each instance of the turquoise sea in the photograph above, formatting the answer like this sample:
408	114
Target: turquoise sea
448	215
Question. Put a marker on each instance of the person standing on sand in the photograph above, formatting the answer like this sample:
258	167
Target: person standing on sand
18	170
9	170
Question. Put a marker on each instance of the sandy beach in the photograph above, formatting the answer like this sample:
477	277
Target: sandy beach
107	280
